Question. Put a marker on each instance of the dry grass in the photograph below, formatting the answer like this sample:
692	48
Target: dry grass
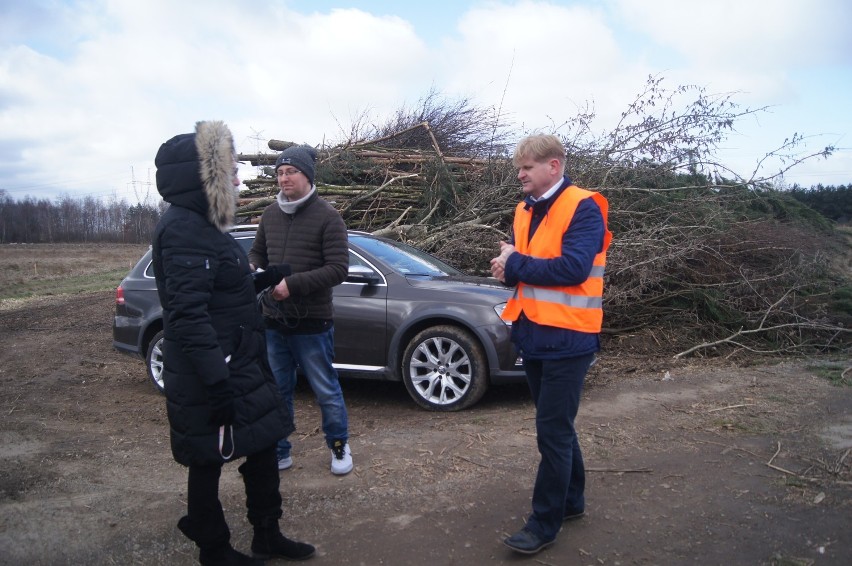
30	270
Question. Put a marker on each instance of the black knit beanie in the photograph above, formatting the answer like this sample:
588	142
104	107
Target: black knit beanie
302	157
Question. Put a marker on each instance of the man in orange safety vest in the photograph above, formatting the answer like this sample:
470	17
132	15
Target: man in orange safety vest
555	260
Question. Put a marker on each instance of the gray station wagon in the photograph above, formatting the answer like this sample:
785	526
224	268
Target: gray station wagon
400	315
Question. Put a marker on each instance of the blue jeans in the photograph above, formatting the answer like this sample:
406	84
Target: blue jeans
314	354
561	481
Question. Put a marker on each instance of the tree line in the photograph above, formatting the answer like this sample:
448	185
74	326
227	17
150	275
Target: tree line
67	219
833	202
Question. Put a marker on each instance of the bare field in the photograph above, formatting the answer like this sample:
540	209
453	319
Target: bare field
55	269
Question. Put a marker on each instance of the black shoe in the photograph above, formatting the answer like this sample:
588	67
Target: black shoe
527	542
226	556
276	545
572	515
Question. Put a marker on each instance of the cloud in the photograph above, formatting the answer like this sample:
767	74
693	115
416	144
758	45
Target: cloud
320	70
744	45
151	69
746	33
541	60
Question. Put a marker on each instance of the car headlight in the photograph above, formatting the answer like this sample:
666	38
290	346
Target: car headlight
499	310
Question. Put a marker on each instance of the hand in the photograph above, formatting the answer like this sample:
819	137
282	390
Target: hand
506	249
221	399
281	291
272	276
498	270
498	264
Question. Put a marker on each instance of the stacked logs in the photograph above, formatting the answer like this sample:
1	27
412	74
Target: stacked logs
372	186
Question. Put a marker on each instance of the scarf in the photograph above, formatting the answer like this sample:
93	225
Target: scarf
291	206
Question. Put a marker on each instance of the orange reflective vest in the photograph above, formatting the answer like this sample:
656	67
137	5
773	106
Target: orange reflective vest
575	307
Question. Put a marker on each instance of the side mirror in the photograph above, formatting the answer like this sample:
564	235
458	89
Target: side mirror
362	275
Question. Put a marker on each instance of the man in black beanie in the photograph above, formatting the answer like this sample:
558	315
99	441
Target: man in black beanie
308	234
302	157
221	397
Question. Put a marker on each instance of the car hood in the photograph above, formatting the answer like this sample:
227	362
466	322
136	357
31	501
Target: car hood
467	284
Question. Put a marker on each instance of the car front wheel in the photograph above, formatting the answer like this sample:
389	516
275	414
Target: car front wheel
154	361
444	369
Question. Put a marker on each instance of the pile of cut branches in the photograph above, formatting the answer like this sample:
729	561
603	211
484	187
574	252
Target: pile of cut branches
373	187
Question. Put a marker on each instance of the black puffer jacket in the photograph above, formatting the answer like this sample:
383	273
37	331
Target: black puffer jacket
212	328
313	243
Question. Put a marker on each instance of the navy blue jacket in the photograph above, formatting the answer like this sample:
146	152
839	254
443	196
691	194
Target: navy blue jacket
580	243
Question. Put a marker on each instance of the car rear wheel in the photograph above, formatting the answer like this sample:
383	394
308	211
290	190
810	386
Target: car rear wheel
444	369
154	361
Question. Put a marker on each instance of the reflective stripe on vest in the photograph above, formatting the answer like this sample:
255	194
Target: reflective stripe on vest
551	295
576	307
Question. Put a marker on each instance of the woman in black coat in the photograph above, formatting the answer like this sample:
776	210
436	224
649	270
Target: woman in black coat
222	400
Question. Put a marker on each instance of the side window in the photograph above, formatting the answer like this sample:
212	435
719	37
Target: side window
245	242
355	260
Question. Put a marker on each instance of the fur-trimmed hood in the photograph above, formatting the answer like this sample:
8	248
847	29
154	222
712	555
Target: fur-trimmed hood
196	170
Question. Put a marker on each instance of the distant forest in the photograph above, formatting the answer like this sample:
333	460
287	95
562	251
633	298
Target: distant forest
67	220
835	203
88	219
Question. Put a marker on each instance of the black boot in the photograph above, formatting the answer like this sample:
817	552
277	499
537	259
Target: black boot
268	542
225	555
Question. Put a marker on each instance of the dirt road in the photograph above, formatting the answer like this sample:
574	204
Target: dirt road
712	465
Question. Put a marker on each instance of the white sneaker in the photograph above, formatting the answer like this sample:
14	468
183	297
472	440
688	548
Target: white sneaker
341	458
285	463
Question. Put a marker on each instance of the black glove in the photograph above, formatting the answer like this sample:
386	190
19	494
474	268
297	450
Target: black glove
271	277
221	399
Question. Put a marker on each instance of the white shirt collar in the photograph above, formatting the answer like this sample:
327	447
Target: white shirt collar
550	191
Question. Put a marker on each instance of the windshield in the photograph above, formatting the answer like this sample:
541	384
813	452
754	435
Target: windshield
403	258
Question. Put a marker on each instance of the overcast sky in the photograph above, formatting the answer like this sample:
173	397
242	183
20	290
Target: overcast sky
89	89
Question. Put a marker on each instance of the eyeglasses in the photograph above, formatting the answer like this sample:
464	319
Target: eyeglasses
288	172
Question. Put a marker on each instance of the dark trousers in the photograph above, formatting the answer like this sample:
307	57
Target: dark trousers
204	522
561	480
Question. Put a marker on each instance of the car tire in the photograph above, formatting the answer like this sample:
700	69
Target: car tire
444	369
154	361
